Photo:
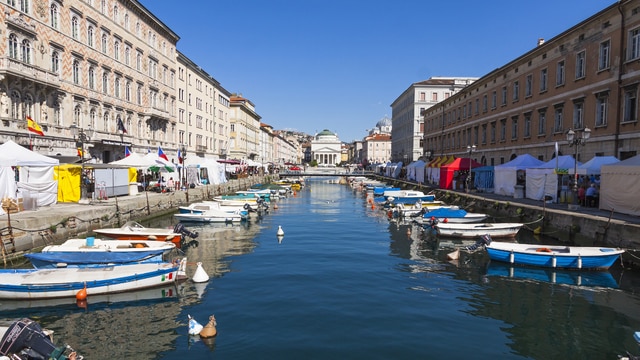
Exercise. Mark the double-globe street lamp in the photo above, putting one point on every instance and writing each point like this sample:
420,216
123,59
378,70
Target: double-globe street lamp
81,136
576,138
470,149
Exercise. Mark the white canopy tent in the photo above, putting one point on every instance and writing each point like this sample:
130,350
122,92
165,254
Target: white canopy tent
593,166
505,175
415,171
619,186
36,174
543,180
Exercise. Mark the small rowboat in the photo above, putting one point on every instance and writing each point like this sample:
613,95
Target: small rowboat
553,256
67,282
132,230
471,230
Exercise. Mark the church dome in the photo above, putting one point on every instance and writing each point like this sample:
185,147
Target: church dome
326,132
384,122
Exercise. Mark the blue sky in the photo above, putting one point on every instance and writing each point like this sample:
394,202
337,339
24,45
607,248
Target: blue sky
310,65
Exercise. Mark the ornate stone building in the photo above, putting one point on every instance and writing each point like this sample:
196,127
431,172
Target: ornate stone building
326,148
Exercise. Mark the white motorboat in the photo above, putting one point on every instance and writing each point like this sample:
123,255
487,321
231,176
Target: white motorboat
471,230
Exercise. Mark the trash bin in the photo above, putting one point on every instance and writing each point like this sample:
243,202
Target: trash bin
518,192
133,188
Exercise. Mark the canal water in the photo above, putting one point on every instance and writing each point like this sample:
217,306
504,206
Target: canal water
345,282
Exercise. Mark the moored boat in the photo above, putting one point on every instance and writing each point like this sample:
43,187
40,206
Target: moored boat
67,282
452,215
552,256
472,230
98,252
132,230
407,196
212,215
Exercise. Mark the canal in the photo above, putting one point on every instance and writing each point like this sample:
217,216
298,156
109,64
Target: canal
346,282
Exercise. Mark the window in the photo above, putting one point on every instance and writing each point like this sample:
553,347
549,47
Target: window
138,29
105,83
24,6
103,6
557,122
55,62
601,109
104,43
528,86
92,78
630,105
25,48
127,91
13,46
514,128
76,72
494,99
90,36
139,95
11,3
504,95
542,120
578,114
543,80
434,97
634,44
76,115
74,27
116,14
527,125
503,129
580,65
485,103
138,61
516,90
560,73
53,16
116,50
603,56
116,88
127,55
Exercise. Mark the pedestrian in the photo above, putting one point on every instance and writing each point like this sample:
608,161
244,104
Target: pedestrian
582,195
591,194
170,184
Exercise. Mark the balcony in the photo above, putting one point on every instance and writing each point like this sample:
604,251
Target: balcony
9,66
201,149
157,113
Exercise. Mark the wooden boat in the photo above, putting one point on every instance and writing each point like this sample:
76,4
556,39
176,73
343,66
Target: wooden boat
212,215
553,276
553,256
97,252
471,230
135,231
66,282
25,339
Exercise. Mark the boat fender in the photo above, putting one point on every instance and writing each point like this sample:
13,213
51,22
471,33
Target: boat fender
446,220
543,249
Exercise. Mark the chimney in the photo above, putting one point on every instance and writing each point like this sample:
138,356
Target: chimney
540,41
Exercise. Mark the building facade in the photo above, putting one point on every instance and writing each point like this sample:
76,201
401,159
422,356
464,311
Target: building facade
407,121
326,148
585,78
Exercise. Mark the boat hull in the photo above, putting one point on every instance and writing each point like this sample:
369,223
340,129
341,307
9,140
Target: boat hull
548,256
472,230
66,282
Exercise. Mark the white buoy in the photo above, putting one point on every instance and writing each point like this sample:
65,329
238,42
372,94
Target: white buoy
280,231
200,276
194,326
454,255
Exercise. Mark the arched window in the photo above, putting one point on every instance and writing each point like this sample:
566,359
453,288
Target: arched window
116,50
74,27
15,104
90,36
92,78
103,6
105,82
127,91
116,88
28,106
13,46
105,121
26,51
53,16
76,72
139,95
92,118
55,62
126,21
127,55
116,15
76,115
138,29
56,113
104,43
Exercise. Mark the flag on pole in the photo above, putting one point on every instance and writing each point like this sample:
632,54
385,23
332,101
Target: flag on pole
161,154
33,126
121,126
127,152
179,157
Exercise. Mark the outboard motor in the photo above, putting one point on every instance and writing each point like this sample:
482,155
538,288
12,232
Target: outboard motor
180,229
483,241
433,221
25,340
419,213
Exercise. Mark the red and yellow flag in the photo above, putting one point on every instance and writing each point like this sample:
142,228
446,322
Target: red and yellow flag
34,127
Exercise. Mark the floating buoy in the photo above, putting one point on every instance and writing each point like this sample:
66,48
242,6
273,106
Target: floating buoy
280,232
200,276
194,326
82,294
209,330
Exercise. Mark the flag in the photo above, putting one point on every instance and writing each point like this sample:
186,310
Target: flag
127,152
80,152
179,157
161,154
33,126
121,126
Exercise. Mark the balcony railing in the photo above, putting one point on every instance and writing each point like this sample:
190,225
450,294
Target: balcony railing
28,71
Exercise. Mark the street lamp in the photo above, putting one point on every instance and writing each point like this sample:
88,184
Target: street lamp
183,175
428,154
81,136
574,139
470,149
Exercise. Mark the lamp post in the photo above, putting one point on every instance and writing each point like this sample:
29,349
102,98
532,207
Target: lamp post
183,175
575,139
470,149
81,136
